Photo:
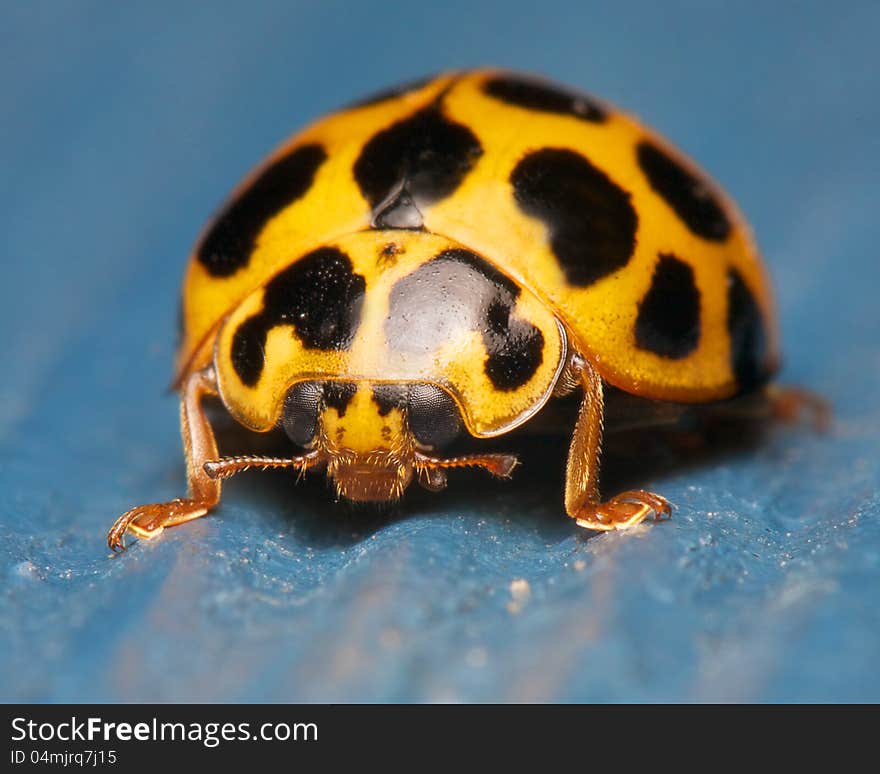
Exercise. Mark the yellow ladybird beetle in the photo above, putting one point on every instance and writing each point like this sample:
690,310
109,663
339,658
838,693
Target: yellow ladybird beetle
444,258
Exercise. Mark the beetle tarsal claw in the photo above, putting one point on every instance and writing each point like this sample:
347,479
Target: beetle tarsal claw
624,511
149,521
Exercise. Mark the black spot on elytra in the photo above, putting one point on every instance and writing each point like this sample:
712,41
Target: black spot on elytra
458,291
414,163
668,323
690,198
228,245
391,93
591,220
748,336
535,94
319,295
338,395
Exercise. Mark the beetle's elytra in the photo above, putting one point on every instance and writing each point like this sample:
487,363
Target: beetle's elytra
444,259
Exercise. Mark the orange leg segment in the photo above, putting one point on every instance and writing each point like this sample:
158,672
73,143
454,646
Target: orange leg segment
432,470
790,404
582,501
148,521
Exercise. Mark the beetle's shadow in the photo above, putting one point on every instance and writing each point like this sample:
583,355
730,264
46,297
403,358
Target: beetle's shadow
532,499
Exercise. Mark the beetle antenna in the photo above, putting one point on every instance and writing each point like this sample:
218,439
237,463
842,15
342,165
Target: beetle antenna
500,465
226,467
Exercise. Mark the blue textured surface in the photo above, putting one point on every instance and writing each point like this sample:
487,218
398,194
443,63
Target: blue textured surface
124,125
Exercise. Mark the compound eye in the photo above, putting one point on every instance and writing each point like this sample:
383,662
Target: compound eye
433,416
300,414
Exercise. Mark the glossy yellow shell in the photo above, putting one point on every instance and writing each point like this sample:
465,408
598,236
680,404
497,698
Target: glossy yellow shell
424,348
618,242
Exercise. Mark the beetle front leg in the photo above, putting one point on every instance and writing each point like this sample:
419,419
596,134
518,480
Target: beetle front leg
148,521
582,501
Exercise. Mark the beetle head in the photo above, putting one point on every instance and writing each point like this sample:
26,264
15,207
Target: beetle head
375,437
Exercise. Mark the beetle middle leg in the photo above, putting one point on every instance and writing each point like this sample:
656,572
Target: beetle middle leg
791,404
582,501
148,521
771,403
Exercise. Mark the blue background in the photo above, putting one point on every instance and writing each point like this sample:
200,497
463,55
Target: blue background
124,126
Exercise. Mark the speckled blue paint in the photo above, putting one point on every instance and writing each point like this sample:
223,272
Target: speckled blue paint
124,125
